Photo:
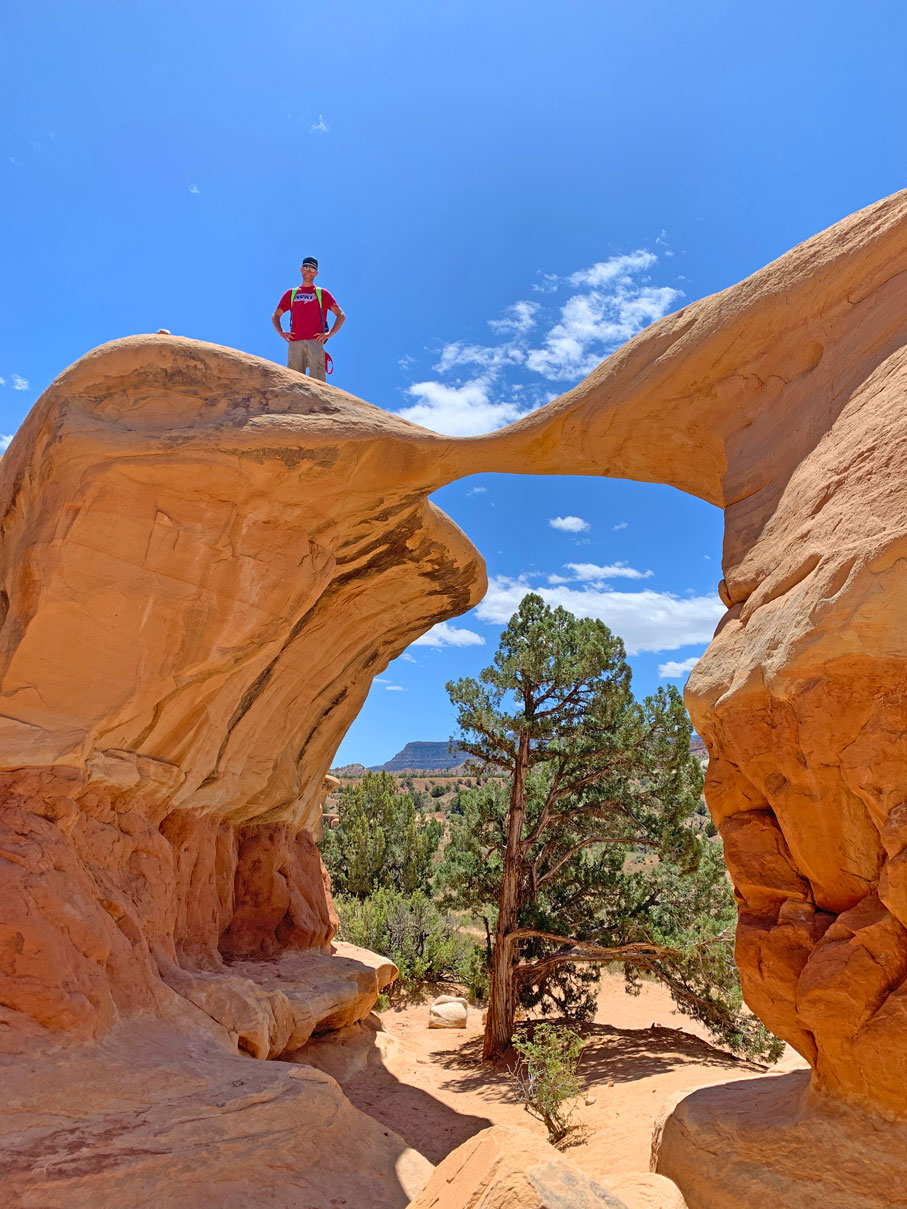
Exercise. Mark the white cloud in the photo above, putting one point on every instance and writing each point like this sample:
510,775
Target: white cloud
672,670
4,442
518,318
444,634
558,579
393,688
321,126
612,571
548,283
491,358
569,524
647,620
194,189
473,491
2,381
458,411
620,525
19,383
481,387
617,268
595,323
407,657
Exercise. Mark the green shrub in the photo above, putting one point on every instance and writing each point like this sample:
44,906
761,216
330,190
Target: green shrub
423,943
545,1075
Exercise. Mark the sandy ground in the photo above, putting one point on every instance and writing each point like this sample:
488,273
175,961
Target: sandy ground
431,1086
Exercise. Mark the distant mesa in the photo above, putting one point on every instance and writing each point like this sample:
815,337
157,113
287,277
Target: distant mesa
418,757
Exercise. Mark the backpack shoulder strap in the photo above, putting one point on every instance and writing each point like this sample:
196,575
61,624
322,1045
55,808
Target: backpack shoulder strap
293,293
324,322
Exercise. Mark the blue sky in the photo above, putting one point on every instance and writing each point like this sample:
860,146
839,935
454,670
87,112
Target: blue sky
498,193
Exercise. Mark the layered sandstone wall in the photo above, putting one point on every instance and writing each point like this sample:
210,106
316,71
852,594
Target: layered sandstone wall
205,559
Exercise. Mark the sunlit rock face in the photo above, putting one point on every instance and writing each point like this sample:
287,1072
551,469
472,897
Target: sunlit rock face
205,560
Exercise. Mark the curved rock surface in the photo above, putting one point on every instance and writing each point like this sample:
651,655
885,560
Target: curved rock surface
205,559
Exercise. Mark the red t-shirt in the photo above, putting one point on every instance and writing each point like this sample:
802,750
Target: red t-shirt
305,319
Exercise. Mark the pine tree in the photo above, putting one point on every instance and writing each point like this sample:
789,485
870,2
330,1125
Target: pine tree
380,840
588,856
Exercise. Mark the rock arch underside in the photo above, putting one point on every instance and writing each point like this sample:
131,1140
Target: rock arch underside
205,561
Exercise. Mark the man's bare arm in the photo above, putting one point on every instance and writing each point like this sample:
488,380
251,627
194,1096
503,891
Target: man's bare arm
275,319
339,320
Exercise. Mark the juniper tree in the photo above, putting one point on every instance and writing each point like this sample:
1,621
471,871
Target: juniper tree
596,779
379,841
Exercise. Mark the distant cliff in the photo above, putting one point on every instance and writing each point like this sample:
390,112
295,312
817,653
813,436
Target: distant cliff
435,757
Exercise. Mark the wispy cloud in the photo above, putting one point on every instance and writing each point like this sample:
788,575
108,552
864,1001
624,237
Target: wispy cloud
321,126
444,634
673,670
194,189
458,411
394,688
19,383
647,620
612,571
4,441
615,302
518,318
620,525
569,524
481,387
474,491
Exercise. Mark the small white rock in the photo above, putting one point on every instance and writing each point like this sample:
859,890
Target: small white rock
448,1011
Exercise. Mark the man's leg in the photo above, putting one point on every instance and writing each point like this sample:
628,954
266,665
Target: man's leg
296,358
315,354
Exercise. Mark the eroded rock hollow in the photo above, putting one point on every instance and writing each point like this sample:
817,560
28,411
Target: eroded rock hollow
206,559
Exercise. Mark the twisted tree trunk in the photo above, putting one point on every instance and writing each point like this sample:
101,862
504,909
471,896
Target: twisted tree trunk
502,995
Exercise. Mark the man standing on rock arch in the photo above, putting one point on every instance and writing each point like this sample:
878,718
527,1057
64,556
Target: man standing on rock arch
309,331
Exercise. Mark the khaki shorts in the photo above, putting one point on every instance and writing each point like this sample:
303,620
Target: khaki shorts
305,355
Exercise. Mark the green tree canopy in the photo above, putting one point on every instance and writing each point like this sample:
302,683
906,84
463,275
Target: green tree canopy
588,855
380,841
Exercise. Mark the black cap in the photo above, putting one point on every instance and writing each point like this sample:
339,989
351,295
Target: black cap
310,260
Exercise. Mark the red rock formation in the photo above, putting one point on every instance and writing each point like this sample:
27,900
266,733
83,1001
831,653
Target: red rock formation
206,559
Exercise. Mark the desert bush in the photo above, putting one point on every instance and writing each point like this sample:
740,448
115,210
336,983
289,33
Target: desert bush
545,1075
423,943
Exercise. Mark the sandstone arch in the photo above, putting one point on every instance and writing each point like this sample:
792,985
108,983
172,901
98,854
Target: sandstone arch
204,561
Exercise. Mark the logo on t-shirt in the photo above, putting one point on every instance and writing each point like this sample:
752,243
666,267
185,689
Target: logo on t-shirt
300,297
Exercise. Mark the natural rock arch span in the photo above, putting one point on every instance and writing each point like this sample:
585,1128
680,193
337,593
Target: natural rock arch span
206,559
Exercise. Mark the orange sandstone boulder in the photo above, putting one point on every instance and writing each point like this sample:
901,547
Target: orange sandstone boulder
506,1168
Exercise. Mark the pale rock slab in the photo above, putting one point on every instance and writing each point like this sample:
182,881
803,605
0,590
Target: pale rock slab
772,1141
448,1011
505,1168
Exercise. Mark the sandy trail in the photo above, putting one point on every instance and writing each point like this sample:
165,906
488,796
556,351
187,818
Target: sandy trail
431,1086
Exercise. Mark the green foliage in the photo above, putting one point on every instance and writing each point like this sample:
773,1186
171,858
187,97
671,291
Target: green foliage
423,943
608,864
545,1075
380,840
438,791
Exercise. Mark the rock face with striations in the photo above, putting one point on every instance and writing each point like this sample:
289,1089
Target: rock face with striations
204,561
